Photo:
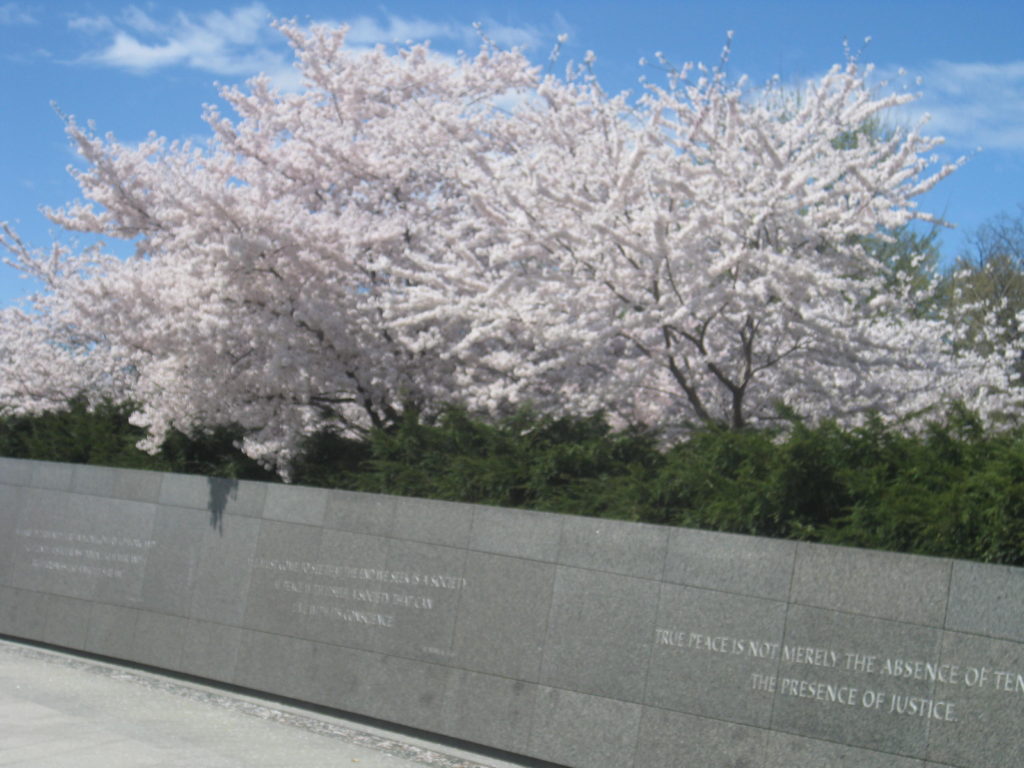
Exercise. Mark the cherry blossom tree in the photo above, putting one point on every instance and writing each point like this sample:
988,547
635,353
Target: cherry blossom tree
47,356
412,229
269,262
986,286
709,242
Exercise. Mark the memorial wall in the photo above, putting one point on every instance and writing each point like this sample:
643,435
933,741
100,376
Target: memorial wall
579,641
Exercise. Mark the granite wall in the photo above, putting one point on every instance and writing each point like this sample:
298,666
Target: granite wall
580,641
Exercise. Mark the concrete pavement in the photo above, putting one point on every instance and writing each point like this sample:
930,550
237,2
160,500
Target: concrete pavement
60,710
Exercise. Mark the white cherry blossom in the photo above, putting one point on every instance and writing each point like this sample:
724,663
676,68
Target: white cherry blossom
413,229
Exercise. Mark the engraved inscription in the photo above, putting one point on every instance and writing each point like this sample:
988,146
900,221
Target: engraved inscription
85,554
367,596
802,672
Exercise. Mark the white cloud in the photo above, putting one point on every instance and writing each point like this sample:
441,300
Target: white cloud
232,43
140,21
974,104
128,52
241,42
516,37
91,24
365,30
14,13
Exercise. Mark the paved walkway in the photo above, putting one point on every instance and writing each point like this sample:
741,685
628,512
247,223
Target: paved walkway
64,711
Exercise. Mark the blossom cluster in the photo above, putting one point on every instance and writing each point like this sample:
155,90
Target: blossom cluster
412,229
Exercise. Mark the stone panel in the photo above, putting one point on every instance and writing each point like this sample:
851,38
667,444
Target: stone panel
283,578
111,631
614,546
173,561
746,565
23,613
883,584
16,471
7,596
192,491
785,751
93,480
46,548
425,583
345,678
38,503
10,498
369,513
210,650
158,640
10,504
672,739
276,663
239,497
581,731
348,603
85,546
41,503
485,709
421,689
432,522
516,532
987,600
844,677
600,633
116,539
296,504
137,485
503,616
217,495
52,475
985,687
67,622
222,576
708,648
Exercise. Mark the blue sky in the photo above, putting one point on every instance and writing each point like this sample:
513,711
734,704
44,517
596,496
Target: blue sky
135,68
